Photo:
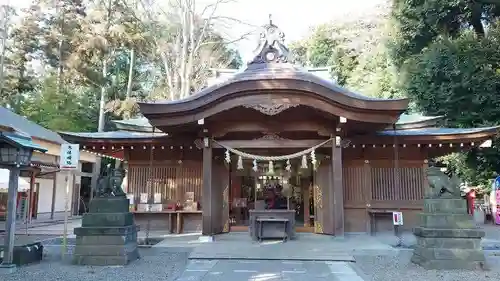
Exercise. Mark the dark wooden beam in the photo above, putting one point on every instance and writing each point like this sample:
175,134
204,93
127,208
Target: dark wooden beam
337,190
207,196
259,143
220,129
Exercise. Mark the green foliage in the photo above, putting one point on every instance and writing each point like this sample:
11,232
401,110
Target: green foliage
55,55
375,75
447,52
458,78
65,111
323,49
420,22
356,52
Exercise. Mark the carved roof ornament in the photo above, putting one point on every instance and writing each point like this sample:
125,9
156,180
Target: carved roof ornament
272,108
271,47
270,136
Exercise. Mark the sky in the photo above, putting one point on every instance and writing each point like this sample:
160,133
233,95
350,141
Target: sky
293,17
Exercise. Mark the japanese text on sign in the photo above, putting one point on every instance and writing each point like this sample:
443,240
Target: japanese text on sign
70,156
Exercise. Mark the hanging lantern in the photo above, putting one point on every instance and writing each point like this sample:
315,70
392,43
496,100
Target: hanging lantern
240,163
255,168
227,156
304,162
288,165
313,159
271,167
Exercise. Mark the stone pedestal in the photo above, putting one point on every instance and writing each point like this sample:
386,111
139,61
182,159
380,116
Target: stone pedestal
448,237
108,235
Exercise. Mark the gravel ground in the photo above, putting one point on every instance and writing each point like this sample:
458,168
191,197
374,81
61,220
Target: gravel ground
155,264
397,268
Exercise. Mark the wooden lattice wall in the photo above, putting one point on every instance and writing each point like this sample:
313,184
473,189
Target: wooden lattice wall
375,183
172,181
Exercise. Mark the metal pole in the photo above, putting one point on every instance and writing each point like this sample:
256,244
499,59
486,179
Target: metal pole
54,191
11,218
66,203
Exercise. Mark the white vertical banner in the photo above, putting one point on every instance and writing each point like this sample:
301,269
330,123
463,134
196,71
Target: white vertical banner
70,156
68,161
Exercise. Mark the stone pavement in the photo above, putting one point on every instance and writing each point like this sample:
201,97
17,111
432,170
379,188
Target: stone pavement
253,270
57,229
307,246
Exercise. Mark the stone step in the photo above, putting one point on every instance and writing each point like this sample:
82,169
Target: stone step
449,243
449,254
106,231
106,240
105,260
107,219
109,205
449,233
445,206
430,220
105,250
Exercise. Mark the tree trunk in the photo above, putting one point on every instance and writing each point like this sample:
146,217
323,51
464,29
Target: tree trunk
102,101
5,18
168,74
476,17
105,57
185,25
130,73
2,59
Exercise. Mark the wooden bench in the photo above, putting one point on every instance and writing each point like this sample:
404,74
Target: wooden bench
268,227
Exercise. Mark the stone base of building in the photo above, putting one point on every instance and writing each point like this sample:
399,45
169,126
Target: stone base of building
448,237
108,235
7,268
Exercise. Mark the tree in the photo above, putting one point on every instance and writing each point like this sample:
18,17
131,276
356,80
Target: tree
61,110
18,77
375,75
355,49
188,44
419,23
448,54
6,12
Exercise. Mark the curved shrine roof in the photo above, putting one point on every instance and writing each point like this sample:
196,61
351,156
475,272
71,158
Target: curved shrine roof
270,78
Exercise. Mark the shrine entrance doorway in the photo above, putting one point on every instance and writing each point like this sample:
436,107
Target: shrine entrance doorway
281,189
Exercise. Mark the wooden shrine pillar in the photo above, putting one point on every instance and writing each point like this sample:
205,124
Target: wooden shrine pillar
215,193
337,193
206,206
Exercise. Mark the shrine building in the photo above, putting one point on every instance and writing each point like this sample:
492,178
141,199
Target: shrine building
341,160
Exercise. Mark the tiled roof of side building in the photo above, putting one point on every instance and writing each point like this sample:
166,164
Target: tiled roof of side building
415,118
411,132
437,131
115,135
20,123
140,121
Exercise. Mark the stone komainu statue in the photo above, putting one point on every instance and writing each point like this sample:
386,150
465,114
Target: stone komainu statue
110,182
441,185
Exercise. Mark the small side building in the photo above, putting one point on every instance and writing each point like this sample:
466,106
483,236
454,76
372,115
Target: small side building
45,185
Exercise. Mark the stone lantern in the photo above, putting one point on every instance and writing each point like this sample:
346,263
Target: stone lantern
16,150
